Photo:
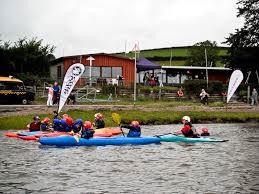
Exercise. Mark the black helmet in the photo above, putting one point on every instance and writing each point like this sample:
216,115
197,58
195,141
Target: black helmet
36,118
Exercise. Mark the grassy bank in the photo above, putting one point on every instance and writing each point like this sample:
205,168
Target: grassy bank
145,118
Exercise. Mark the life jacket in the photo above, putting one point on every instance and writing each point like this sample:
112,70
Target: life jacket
57,125
135,131
87,133
34,126
99,123
77,125
44,127
205,134
187,130
63,126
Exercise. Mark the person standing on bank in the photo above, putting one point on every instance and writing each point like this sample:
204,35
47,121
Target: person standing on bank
50,95
204,97
56,91
254,97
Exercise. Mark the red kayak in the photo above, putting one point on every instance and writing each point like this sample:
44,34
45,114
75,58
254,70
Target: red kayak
28,138
14,134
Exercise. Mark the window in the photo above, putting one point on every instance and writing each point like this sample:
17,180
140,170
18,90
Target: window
13,86
116,71
95,72
59,72
106,72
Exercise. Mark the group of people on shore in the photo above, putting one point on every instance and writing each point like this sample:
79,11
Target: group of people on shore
150,79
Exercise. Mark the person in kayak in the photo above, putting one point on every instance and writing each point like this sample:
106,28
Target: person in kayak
134,129
188,130
77,126
56,125
87,130
64,127
35,124
98,121
45,124
205,132
55,115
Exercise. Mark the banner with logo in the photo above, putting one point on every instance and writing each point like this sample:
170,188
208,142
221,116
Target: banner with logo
235,80
73,74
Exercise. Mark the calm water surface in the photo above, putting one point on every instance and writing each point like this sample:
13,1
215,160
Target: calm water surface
230,167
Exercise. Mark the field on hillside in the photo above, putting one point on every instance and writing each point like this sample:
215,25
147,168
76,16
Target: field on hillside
178,55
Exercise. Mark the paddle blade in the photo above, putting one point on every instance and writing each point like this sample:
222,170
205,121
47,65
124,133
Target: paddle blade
77,137
116,118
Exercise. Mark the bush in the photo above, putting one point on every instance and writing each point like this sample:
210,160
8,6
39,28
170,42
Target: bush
193,87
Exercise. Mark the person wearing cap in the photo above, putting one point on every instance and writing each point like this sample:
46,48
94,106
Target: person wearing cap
205,132
134,129
87,130
45,124
98,121
188,130
35,124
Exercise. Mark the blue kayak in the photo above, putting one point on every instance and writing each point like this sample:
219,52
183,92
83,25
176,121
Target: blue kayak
72,141
29,133
176,138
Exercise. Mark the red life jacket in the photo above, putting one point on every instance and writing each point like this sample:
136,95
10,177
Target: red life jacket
35,126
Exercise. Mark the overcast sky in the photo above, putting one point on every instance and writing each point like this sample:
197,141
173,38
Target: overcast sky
92,26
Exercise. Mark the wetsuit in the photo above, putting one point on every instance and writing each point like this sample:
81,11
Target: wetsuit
87,133
99,123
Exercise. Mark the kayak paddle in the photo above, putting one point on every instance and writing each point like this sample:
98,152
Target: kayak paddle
117,119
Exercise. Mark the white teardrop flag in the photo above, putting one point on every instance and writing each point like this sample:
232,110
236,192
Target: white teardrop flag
235,80
73,74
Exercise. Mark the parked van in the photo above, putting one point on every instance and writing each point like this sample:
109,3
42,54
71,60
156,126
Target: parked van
12,90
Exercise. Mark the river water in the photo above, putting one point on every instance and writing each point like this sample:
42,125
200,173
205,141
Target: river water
229,167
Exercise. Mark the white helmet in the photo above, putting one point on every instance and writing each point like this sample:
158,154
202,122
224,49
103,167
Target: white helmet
95,115
186,118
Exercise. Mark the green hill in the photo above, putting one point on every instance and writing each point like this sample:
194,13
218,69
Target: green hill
175,56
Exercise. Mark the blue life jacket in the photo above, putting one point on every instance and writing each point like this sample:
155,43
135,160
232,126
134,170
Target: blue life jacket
134,131
76,128
56,124
63,126
44,127
87,133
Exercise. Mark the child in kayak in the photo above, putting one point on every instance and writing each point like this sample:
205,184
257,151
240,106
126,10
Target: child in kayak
87,130
99,122
205,132
188,130
35,124
45,124
77,126
134,129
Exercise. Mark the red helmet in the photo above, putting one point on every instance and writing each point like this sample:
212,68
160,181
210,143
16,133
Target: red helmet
135,123
87,125
65,116
69,121
46,120
204,130
100,116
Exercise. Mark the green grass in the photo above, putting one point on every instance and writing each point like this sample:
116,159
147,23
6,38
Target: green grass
173,63
144,117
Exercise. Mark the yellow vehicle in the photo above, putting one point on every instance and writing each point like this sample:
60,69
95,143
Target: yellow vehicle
12,90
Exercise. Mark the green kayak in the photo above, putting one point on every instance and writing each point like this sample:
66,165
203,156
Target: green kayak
176,138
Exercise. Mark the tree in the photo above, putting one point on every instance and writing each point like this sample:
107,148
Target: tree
197,54
244,43
26,58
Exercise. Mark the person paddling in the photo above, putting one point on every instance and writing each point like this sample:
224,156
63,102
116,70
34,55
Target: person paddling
35,124
205,132
134,129
87,130
188,130
45,124
98,121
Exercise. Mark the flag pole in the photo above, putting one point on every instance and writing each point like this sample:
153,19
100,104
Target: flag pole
135,77
206,60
